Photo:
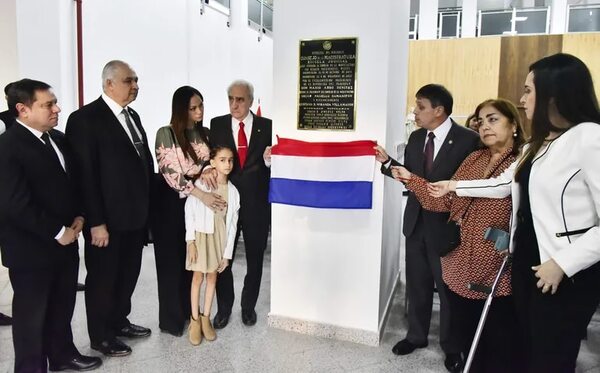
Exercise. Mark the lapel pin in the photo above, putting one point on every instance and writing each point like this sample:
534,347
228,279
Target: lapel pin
450,142
258,130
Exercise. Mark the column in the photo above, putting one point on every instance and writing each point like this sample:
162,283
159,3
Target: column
558,17
469,19
428,18
334,272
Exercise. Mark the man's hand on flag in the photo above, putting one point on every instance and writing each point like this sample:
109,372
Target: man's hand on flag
381,156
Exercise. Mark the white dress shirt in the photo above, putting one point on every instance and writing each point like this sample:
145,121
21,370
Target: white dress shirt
118,112
440,136
61,158
235,127
2,127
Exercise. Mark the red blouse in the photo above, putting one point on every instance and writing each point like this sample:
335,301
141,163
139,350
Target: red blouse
475,260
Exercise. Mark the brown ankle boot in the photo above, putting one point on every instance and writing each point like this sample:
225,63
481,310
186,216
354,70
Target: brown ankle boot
195,331
207,329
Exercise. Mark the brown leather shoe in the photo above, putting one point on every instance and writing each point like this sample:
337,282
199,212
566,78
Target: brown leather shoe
207,329
195,331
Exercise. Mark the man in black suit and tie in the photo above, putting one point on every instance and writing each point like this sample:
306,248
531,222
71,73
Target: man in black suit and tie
250,138
7,118
114,166
40,220
434,152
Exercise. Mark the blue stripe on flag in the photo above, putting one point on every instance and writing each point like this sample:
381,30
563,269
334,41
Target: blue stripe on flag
322,194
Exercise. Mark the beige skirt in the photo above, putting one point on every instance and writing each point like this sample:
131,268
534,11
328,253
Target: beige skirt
210,247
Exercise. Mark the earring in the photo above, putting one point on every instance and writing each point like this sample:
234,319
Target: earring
514,134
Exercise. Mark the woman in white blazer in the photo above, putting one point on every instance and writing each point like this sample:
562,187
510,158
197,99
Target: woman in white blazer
555,188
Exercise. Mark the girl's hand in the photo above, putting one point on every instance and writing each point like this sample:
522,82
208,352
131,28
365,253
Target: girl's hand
224,264
400,173
550,275
192,251
441,188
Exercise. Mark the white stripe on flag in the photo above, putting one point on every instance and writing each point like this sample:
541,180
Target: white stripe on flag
323,168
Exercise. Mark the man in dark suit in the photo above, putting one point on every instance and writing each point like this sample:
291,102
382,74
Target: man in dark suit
114,166
7,118
249,136
434,152
40,220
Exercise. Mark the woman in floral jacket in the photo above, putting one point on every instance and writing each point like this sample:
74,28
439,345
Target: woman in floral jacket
182,150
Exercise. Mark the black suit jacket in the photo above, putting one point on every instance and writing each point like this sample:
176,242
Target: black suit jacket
8,117
459,143
114,179
37,199
253,180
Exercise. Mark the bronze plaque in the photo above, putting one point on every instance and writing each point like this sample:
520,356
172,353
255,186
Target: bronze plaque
327,84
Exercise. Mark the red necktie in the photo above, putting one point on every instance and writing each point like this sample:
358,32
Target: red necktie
242,145
428,153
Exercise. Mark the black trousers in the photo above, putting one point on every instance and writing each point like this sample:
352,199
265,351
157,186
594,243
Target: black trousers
554,325
42,308
499,346
423,270
112,274
174,281
256,233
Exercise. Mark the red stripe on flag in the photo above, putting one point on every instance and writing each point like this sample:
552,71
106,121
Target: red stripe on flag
323,149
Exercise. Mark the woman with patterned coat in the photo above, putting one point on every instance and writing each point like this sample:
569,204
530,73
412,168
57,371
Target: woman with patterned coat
475,261
182,150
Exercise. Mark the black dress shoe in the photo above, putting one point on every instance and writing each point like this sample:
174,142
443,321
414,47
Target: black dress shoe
249,317
405,347
80,286
78,363
112,348
453,362
5,320
220,321
133,331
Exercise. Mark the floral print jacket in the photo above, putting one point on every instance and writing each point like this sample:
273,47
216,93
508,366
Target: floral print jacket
177,169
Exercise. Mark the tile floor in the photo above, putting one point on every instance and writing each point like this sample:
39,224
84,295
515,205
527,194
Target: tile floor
259,349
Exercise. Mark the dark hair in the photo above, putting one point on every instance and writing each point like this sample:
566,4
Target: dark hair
438,95
7,87
216,149
509,110
468,121
180,108
23,91
564,82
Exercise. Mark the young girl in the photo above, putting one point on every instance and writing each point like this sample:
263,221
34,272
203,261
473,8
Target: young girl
210,235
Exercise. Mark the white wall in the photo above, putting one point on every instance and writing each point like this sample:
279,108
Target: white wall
8,45
171,44
168,43
326,265
395,134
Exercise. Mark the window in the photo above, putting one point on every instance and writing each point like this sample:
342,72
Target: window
449,24
219,5
513,22
260,15
413,23
585,18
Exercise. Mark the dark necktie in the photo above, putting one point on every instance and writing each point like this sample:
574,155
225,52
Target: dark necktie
242,145
137,142
48,144
428,153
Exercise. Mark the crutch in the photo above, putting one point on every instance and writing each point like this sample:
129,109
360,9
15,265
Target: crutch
501,239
